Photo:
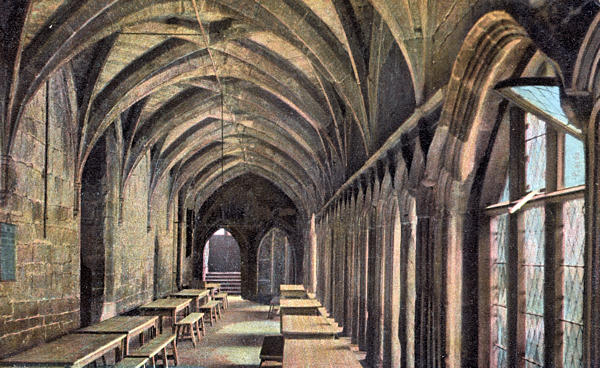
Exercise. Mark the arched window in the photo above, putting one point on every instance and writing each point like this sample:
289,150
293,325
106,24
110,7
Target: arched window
536,239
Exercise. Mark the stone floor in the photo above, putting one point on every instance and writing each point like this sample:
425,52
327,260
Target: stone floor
234,341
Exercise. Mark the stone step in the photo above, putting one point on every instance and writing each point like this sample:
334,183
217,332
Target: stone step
230,281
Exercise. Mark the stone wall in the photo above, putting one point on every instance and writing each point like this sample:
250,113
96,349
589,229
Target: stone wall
133,256
43,302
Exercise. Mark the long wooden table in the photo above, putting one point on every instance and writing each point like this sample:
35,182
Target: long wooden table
309,307
292,291
195,294
166,308
318,353
307,327
128,325
73,350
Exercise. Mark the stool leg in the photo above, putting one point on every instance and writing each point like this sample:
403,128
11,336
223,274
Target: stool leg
191,328
175,354
197,330
203,327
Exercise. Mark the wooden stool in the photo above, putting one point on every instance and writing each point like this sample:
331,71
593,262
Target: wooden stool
156,346
223,297
220,308
210,309
271,350
191,322
132,363
273,305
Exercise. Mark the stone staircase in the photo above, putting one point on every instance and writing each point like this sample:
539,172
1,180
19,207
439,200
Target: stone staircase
230,281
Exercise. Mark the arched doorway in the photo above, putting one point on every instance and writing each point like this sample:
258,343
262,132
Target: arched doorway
276,263
221,261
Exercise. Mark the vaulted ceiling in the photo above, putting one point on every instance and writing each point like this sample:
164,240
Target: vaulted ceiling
216,89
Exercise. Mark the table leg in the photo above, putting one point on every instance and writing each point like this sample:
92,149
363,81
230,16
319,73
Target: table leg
161,319
165,357
174,316
126,347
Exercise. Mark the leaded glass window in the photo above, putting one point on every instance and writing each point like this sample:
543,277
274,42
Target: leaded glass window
572,284
574,173
553,165
533,270
535,151
499,244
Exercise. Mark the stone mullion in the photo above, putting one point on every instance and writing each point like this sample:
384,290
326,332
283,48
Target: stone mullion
343,274
382,240
371,283
406,328
321,260
347,316
372,321
355,277
439,297
341,259
592,251
392,291
358,245
329,261
425,326
350,281
365,270
515,336
336,266
360,303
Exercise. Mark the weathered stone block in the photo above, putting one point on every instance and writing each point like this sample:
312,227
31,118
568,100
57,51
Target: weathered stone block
25,309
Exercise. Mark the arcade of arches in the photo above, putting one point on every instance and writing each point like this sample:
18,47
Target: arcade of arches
428,168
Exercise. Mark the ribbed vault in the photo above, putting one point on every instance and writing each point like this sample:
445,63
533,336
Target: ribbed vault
214,89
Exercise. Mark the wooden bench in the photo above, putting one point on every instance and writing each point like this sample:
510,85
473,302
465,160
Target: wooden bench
132,362
211,309
222,296
271,350
156,346
191,322
268,363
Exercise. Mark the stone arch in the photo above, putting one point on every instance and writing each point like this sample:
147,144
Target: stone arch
277,263
226,262
496,48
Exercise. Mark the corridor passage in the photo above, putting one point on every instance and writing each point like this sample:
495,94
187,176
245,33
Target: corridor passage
233,341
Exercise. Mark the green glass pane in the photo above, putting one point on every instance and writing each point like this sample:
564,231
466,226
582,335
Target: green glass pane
574,162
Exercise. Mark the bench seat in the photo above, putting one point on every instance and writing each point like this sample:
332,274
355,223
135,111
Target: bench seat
132,362
155,347
272,349
222,296
192,323
211,309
